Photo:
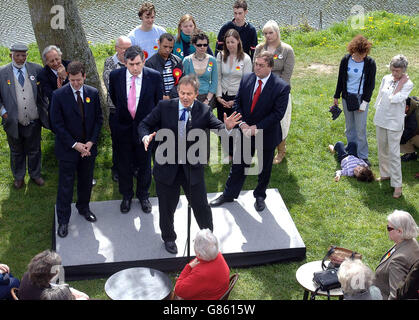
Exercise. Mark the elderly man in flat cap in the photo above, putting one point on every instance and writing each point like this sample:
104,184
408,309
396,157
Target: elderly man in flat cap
23,111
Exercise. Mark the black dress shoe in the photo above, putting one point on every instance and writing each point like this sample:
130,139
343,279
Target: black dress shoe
220,200
367,162
125,205
171,247
409,156
89,216
146,205
260,204
62,230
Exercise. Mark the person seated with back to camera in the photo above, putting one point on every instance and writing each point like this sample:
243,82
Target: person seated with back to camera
350,164
43,269
356,281
207,276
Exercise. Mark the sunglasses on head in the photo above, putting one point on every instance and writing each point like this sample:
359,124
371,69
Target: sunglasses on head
389,228
199,45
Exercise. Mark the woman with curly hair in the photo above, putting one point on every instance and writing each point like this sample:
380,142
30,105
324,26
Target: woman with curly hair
356,82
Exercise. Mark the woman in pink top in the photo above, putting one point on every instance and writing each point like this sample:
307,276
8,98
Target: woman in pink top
207,276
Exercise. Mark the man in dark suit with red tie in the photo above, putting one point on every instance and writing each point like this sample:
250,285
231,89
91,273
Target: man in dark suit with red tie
181,115
135,90
76,118
262,101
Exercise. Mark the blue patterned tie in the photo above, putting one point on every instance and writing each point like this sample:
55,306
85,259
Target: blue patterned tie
182,120
21,78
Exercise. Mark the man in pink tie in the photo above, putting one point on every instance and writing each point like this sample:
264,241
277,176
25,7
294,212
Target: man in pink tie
261,100
135,90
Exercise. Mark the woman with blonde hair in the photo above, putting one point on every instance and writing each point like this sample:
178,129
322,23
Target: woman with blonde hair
284,61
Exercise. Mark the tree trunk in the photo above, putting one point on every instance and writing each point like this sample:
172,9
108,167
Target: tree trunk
57,22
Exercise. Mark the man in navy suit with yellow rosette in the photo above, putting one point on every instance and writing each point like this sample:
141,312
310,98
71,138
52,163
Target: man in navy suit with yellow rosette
262,101
76,119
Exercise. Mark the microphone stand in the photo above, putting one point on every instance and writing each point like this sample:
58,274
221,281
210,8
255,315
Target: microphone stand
188,128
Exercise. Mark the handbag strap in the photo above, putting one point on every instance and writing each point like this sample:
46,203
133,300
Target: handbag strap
328,254
360,81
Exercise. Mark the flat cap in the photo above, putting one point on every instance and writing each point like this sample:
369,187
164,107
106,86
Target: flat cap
19,47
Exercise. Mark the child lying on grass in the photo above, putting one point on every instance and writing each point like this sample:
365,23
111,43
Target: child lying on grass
350,163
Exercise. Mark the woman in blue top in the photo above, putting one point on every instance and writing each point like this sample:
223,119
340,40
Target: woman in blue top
186,27
204,66
357,76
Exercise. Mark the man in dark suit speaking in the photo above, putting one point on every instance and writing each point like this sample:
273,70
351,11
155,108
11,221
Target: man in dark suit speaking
76,118
179,116
262,100
135,90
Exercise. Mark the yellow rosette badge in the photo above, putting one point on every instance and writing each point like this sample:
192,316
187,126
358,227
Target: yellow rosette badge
8,82
88,100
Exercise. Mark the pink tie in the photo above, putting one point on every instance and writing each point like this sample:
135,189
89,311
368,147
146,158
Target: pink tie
132,97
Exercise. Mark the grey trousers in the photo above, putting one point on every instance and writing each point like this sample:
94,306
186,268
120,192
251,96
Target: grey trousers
26,148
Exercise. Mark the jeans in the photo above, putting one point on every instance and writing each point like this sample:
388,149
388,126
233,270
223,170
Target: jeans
356,129
343,152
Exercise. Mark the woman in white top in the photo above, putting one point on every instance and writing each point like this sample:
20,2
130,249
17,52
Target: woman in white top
232,64
284,61
389,121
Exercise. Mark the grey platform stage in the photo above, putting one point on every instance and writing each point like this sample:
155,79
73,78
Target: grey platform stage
118,241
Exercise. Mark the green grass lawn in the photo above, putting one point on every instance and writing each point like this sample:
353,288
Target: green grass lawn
348,213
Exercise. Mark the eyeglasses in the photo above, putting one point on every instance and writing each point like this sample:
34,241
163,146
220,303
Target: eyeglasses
389,228
199,45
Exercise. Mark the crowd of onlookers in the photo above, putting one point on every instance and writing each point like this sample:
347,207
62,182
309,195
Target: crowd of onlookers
220,76
207,276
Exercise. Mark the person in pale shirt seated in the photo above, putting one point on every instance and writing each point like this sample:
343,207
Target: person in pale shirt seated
147,34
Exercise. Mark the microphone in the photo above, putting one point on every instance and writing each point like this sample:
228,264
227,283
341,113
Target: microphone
189,123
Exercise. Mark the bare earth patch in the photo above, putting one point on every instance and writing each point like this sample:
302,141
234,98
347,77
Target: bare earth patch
323,68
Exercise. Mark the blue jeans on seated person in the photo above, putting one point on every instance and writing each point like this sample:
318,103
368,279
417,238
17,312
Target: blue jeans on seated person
342,152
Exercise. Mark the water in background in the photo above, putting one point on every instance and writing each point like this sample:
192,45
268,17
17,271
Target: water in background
105,20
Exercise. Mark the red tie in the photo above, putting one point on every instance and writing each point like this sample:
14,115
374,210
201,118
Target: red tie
256,95
59,82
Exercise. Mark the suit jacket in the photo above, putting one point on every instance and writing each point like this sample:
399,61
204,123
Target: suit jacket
66,121
151,94
269,109
8,98
392,270
165,116
48,80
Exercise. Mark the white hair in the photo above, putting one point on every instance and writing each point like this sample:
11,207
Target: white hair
404,221
354,276
48,49
122,39
206,245
399,61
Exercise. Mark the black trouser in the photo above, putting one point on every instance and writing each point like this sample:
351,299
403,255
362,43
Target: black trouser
26,148
168,196
67,171
112,123
129,154
237,174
